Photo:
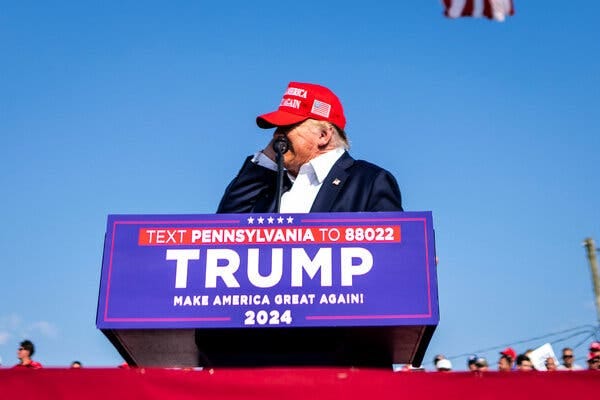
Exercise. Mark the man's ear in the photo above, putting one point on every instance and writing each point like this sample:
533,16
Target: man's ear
325,135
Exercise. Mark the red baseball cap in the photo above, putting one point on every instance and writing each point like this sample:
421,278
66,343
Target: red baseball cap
595,346
509,352
302,101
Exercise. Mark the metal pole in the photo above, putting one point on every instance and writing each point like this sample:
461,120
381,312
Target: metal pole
591,254
279,188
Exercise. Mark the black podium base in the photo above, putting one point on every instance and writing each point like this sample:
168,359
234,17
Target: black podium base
331,346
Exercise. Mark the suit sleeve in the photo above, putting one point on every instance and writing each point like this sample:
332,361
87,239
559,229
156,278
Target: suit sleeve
253,183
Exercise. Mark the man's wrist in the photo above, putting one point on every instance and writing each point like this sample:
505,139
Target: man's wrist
260,158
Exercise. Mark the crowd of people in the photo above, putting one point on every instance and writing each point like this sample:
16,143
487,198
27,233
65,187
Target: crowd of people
25,352
509,360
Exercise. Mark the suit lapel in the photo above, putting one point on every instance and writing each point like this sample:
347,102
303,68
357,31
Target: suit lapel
266,203
332,184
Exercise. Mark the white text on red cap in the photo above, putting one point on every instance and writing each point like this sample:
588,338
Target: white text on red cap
293,103
292,91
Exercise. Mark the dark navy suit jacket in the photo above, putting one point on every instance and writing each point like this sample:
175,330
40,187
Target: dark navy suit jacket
351,186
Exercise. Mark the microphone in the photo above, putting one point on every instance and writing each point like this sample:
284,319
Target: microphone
281,144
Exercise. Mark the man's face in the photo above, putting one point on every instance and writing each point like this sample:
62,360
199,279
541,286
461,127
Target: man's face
304,141
22,353
567,358
550,364
525,366
503,364
594,363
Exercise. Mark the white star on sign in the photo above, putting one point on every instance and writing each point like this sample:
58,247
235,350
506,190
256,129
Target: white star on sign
270,219
250,220
290,220
280,220
260,220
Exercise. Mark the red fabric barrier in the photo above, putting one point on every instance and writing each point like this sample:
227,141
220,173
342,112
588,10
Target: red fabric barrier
290,383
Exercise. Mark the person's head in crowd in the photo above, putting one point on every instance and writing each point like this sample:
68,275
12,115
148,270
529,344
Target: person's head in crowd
593,361
76,364
568,357
528,353
443,365
595,348
507,359
25,351
471,363
504,363
524,363
437,358
550,364
481,364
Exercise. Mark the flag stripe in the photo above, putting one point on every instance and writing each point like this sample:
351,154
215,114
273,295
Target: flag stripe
455,8
479,8
487,9
492,9
469,7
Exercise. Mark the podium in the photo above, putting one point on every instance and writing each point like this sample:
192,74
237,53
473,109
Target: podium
326,289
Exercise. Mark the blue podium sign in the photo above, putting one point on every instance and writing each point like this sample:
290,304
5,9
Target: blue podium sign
268,271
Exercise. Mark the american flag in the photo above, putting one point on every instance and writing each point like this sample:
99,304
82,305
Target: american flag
492,9
321,108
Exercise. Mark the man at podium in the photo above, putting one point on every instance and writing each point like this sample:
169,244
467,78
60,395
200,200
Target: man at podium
321,176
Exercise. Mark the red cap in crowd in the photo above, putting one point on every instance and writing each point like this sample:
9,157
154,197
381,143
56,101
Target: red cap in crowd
302,101
595,346
509,352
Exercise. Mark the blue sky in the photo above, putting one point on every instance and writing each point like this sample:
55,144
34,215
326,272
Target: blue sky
149,108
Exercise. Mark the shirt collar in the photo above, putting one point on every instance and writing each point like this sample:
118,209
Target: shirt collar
323,163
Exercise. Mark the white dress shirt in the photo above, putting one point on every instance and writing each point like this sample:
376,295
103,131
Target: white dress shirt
301,196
